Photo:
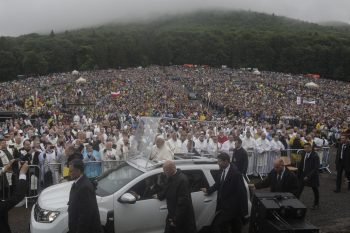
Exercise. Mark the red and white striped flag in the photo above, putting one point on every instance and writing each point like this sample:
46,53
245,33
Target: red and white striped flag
115,94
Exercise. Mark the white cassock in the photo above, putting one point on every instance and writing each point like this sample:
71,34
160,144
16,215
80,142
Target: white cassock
263,146
214,148
226,146
184,146
123,151
163,153
201,146
174,146
249,145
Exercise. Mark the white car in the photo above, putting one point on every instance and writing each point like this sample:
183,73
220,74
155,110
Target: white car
121,211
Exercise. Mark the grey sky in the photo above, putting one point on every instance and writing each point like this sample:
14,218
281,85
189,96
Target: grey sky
26,16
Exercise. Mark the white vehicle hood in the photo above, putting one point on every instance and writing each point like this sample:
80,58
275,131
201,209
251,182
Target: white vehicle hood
55,197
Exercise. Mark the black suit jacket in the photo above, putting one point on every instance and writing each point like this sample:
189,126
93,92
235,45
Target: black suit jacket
83,214
232,197
288,183
179,202
346,157
312,164
5,206
240,159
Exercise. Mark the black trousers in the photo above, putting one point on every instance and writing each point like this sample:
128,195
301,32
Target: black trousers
340,170
223,223
314,189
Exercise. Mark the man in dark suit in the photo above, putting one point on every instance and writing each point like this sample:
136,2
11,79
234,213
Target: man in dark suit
15,198
280,179
240,157
180,217
232,200
308,174
342,161
83,214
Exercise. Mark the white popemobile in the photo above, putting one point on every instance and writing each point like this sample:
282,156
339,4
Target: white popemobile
123,202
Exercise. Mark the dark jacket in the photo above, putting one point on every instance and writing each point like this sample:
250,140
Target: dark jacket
311,169
179,202
240,159
345,162
288,183
232,197
83,215
5,206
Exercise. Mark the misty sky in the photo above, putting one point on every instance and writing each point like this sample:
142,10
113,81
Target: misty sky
26,16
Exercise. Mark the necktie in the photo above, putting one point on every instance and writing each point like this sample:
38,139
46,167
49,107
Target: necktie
306,157
222,177
279,178
342,151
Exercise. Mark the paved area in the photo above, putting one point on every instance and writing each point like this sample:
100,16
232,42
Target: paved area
332,217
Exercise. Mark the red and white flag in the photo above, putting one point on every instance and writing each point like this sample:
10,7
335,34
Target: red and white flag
115,94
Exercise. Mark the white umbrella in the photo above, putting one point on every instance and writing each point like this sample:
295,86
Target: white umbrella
80,80
75,72
311,85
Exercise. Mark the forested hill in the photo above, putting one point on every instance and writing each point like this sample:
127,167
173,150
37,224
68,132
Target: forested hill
234,38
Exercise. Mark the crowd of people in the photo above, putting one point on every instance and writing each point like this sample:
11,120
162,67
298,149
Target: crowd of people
200,110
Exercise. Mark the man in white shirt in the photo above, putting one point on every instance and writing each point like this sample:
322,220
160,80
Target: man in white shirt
174,143
201,144
123,149
160,151
214,146
263,146
229,145
109,153
276,145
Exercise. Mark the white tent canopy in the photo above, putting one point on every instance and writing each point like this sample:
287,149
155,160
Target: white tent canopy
311,85
256,72
80,80
75,72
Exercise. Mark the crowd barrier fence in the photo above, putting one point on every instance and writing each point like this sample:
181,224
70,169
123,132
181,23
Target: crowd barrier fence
38,176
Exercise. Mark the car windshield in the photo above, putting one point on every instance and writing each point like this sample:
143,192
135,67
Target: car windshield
115,179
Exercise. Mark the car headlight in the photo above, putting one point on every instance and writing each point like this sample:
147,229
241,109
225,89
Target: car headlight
45,216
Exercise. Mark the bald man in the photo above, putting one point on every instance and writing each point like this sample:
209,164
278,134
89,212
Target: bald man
161,151
177,194
280,179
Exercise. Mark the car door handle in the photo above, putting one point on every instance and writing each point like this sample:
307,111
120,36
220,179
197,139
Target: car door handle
163,207
207,200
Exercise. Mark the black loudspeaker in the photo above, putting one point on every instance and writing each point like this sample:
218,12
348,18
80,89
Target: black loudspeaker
278,212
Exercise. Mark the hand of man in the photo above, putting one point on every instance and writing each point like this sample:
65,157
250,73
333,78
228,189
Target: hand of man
205,191
306,178
7,167
251,186
24,168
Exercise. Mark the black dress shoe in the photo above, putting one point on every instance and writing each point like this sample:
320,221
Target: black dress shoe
336,191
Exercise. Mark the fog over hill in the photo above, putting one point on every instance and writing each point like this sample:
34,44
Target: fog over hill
26,16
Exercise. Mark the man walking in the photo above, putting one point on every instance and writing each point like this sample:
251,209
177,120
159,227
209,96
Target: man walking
308,173
83,214
342,162
232,200
180,217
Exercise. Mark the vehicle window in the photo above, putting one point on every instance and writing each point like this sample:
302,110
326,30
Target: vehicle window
216,175
114,180
196,180
148,187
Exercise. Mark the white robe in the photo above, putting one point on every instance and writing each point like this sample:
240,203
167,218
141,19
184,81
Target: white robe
159,154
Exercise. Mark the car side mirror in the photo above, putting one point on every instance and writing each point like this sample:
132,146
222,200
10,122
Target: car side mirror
127,198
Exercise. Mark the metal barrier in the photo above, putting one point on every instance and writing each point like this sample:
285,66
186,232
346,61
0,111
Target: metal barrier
325,159
110,164
33,178
9,182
